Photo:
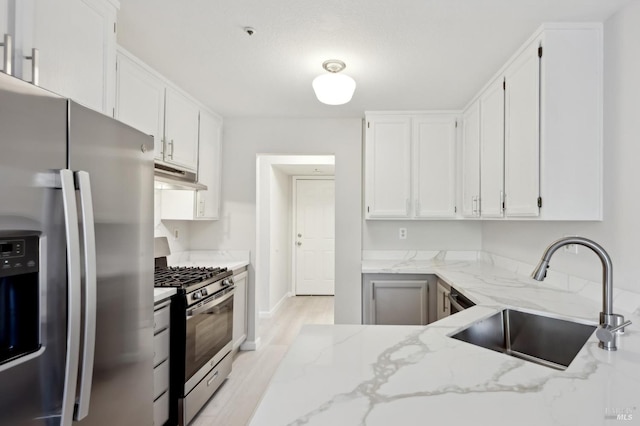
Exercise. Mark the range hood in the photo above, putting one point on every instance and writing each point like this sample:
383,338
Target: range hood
167,177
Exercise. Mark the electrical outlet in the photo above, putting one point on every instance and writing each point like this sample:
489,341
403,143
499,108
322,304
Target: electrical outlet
402,233
175,234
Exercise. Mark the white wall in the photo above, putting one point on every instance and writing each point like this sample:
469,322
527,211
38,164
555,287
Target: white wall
167,228
422,235
244,138
280,238
618,231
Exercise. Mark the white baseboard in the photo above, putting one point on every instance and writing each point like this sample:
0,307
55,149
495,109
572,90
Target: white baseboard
250,345
269,314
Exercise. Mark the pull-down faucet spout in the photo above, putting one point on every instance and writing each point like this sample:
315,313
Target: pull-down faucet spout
609,321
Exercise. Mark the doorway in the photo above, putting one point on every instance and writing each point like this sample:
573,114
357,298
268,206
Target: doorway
275,225
313,257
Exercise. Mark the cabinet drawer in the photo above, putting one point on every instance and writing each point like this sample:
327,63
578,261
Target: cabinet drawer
160,379
160,347
160,319
161,410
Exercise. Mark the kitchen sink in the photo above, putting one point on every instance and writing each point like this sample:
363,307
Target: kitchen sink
545,340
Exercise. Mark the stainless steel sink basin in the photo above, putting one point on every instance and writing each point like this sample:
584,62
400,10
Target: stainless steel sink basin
548,341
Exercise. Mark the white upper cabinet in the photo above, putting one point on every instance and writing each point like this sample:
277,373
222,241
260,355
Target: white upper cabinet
388,166
410,164
471,161
522,139
209,166
16,37
492,150
140,100
540,131
76,40
202,204
181,130
434,153
150,103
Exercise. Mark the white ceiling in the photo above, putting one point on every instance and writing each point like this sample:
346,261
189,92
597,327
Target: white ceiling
403,54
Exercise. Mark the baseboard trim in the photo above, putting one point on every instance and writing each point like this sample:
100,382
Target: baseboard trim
271,313
250,345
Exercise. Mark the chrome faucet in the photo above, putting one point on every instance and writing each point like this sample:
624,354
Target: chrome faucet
610,323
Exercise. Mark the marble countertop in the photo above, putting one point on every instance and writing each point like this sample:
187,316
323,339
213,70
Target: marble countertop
414,375
160,294
230,259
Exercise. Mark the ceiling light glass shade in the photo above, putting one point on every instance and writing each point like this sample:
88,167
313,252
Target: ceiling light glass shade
333,88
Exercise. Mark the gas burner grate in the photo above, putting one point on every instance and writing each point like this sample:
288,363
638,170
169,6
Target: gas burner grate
184,276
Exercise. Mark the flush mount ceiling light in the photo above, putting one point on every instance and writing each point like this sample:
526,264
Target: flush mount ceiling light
334,88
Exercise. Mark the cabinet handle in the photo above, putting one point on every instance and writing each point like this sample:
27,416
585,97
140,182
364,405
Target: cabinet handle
8,54
474,205
501,207
171,145
35,66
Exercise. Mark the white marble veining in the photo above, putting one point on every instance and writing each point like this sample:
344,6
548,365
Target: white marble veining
162,293
230,259
410,375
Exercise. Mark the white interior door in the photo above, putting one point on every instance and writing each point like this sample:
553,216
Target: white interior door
315,236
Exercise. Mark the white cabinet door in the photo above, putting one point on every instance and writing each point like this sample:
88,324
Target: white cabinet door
240,309
399,302
434,152
4,30
77,41
492,150
16,21
388,167
522,141
140,100
471,161
209,166
181,130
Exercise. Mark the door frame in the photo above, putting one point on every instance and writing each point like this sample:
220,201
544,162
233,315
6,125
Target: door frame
294,221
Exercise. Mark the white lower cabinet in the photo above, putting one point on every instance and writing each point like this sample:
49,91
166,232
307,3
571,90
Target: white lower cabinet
161,330
395,300
240,309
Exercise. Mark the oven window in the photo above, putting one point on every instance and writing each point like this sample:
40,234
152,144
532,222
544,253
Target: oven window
19,316
208,332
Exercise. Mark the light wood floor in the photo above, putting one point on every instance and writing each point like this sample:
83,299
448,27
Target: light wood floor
236,400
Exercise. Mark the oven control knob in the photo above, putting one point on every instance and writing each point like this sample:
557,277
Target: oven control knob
227,282
204,292
197,295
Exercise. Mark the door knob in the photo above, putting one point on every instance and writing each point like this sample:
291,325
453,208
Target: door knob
299,235
299,243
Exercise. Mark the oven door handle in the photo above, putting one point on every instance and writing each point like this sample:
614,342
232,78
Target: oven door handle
214,301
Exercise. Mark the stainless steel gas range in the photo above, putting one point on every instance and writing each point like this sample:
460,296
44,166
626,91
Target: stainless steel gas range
201,334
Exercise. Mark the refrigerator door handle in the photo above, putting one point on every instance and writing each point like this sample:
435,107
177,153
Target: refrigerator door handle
90,289
73,295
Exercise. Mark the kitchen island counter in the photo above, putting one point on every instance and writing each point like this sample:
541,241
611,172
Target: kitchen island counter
415,375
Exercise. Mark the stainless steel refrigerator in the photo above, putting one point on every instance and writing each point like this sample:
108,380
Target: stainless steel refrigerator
76,263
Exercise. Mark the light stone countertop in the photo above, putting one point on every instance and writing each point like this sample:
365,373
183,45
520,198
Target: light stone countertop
412,375
162,293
